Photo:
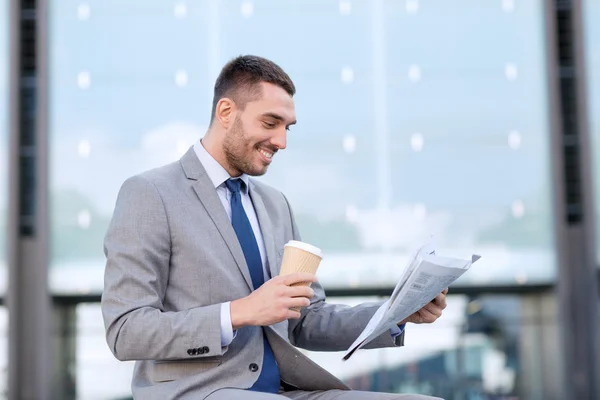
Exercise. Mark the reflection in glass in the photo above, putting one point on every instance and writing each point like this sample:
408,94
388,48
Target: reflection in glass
473,352
409,125
398,139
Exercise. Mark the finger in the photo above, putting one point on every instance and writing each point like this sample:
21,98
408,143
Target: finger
426,316
296,302
300,291
445,291
440,301
298,277
433,309
292,314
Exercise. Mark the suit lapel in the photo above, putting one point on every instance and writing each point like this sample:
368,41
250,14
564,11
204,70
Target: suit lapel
266,228
207,194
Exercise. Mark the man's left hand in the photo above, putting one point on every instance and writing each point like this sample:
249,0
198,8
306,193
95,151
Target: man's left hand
431,312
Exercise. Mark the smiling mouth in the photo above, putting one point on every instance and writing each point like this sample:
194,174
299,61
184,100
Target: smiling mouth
266,154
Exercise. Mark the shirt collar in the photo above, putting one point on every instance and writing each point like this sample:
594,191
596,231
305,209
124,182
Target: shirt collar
217,174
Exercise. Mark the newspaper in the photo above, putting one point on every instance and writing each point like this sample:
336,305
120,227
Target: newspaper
425,276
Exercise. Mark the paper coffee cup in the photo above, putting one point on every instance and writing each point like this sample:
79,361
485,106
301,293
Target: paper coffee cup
300,257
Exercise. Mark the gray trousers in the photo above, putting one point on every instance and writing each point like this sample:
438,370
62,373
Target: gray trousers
237,394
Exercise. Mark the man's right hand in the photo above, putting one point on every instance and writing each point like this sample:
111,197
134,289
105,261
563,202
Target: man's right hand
271,303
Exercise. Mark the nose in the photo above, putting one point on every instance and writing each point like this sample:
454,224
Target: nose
280,139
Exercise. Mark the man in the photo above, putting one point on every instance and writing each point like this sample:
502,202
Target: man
192,291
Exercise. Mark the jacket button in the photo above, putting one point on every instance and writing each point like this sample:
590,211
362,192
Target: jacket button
253,367
205,349
190,352
200,350
194,352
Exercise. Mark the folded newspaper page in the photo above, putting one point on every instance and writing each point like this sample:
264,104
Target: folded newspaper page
425,276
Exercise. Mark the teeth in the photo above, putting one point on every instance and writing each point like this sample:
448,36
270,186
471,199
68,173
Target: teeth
264,153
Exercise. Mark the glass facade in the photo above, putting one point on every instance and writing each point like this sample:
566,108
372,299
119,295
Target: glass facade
409,125
399,137
474,352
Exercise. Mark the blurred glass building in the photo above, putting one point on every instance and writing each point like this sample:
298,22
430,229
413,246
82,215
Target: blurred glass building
415,118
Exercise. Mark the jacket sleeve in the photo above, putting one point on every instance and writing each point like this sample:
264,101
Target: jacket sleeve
333,327
138,251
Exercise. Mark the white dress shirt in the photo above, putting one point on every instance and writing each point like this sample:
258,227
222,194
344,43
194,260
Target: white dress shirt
218,175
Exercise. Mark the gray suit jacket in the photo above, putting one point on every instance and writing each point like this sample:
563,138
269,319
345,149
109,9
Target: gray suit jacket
173,258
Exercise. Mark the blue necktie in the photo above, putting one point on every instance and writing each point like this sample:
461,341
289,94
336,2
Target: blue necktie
269,379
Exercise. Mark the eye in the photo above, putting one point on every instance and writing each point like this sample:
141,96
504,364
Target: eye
269,125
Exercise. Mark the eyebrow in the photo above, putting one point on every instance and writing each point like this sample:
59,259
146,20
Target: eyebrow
277,117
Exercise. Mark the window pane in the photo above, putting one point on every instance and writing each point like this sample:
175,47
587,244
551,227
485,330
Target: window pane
482,348
409,125
468,136
142,97
472,352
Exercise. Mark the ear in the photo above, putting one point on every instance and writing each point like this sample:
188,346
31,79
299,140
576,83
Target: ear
225,112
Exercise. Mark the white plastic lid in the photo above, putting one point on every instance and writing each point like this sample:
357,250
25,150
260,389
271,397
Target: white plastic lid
306,247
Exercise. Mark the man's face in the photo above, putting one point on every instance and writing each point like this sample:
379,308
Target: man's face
259,131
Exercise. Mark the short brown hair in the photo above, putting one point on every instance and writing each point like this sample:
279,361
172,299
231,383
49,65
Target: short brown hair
240,78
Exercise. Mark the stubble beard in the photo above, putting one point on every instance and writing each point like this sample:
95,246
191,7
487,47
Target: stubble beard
238,154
